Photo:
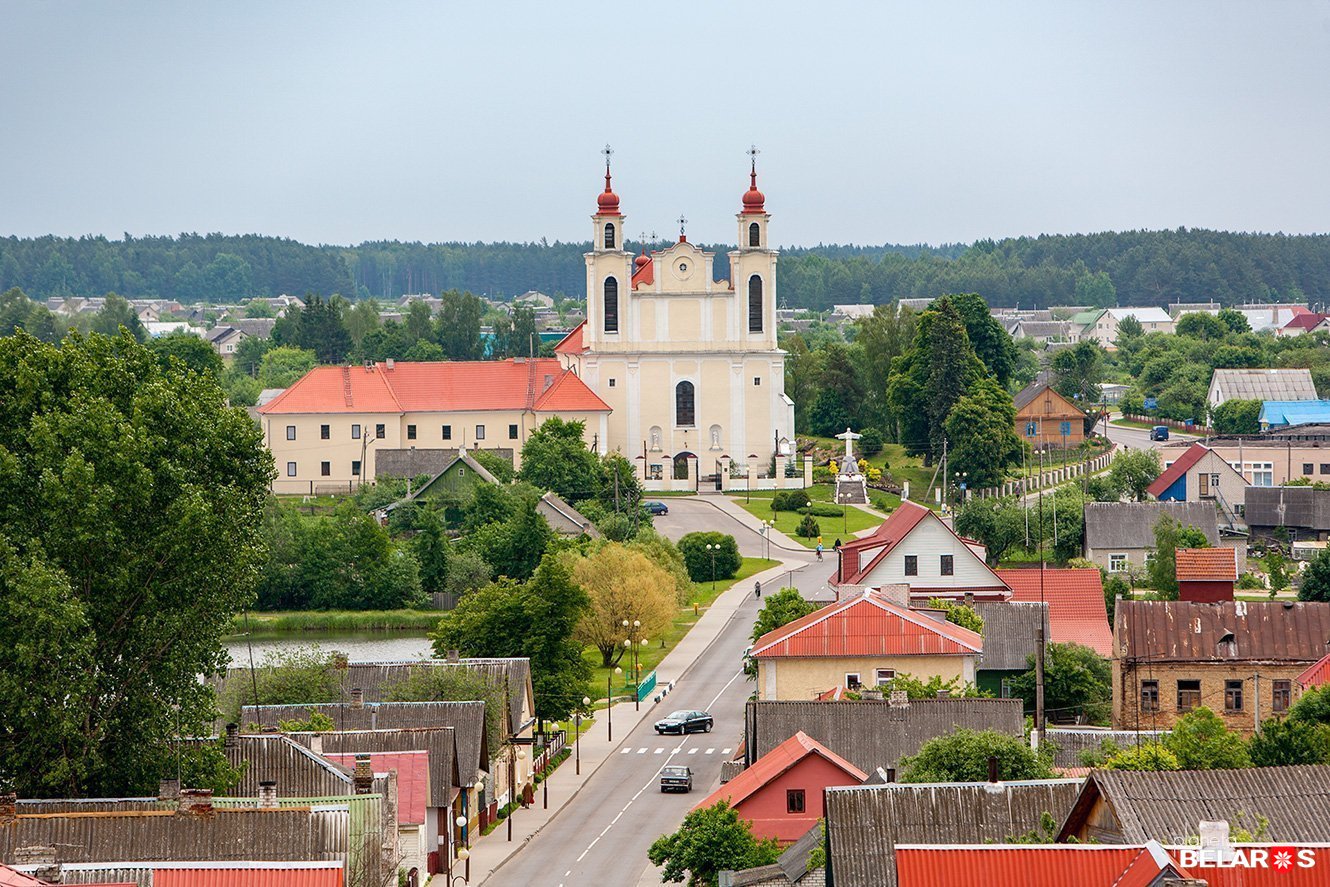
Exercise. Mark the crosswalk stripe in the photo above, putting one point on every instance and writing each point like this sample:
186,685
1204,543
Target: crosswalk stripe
660,751
625,751
692,751
726,751
641,751
710,751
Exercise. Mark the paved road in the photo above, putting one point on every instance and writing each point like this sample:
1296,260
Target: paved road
1139,438
602,836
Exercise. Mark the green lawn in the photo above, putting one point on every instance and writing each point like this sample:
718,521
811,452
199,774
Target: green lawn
832,527
1130,423
650,656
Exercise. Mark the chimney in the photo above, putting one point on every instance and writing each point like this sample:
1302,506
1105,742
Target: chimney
899,699
891,774
168,790
268,794
454,655
357,697
8,809
232,739
992,768
196,802
364,775
316,743
47,870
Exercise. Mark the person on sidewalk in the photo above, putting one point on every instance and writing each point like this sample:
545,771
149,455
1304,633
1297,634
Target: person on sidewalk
757,589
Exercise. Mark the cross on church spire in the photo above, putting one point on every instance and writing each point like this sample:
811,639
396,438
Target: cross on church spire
607,151
753,152
683,222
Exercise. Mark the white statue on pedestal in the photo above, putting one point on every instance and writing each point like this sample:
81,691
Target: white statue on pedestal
849,467
851,487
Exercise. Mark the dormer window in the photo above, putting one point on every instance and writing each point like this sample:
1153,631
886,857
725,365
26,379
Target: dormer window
609,235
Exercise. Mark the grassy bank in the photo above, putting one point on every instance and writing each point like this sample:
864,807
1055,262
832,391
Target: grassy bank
855,519
649,657
349,621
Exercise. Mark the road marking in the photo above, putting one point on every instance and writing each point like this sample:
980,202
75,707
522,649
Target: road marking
726,751
641,751
692,751
711,751
658,751
625,751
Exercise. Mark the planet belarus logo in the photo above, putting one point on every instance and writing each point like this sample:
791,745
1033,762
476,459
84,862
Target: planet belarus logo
1281,859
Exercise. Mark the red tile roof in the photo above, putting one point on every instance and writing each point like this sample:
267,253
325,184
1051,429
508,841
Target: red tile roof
1206,565
1028,865
573,342
1317,675
1075,598
867,625
775,763
645,275
1177,469
409,387
412,779
251,874
1305,321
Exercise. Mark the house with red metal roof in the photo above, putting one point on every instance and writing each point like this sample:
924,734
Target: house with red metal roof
1075,597
1200,475
1206,574
327,431
1316,675
863,640
781,793
915,547
413,801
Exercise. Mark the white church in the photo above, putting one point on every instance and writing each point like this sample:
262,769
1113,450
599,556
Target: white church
688,364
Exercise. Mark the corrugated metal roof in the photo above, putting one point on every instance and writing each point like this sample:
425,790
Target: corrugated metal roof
1278,413
1026,865
1206,565
1194,454
1226,631
1069,742
873,734
1264,384
1075,597
867,625
1294,802
1011,633
1303,507
439,742
780,760
865,824
329,877
413,782
1318,674
1113,526
297,771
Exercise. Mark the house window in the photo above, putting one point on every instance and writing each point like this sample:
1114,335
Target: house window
754,304
611,383
290,432
447,432
379,432
609,235
512,432
480,432
325,432
794,800
1149,696
1232,695
1005,691
1325,468
754,234
325,469
1117,563
852,681
611,305
461,471
1283,693
911,565
684,412
290,469
1262,474
1308,468
885,676
1189,695
355,432
757,380
355,468
410,432
948,565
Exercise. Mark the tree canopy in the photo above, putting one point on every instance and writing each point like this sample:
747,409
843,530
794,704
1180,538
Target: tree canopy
710,840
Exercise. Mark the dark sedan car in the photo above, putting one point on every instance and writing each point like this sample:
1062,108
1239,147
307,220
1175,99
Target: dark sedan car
676,779
685,722
656,507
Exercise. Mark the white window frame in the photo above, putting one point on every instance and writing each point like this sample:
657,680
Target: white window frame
1118,562
878,675
853,684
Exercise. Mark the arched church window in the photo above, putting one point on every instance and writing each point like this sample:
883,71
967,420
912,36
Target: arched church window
754,235
611,305
609,235
685,412
754,304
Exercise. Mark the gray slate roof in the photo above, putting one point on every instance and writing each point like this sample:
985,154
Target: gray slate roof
1069,742
563,518
1265,384
1129,525
865,823
298,772
439,742
1166,806
873,734
1303,507
1011,633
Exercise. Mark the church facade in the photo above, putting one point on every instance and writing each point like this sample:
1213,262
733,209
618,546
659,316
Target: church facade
688,364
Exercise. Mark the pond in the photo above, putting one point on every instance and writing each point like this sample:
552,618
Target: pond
369,646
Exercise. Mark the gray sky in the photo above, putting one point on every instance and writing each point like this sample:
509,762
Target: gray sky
878,122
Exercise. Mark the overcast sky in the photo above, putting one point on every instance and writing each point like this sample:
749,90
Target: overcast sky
878,122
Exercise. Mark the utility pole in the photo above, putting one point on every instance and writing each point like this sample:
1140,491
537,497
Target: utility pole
1256,700
946,492
1039,652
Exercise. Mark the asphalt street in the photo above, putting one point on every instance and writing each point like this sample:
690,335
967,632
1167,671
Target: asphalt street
1139,438
602,836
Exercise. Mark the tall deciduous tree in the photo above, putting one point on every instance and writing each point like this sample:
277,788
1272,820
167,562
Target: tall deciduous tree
555,457
459,325
981,429
781,609
1201,741
1316,579
1132,472
282,367
130,503
1076,680
189,351
621,584
116,313
991,343
710,840
840,393
881,338
1079,372
951,369
962,756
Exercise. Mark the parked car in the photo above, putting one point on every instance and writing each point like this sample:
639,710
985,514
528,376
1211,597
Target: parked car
656,508
682,722
676,779
1159,432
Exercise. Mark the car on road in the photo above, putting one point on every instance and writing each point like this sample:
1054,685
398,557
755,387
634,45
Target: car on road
682,722
1159,432
656,507
676,779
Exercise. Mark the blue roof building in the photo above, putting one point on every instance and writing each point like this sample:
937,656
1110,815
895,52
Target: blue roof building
1279,413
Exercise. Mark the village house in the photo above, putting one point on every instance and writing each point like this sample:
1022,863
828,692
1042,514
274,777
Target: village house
1011,636
1102,327
1205,575
1260,384
1201,475
1120,536
1240,659
1282,414
862,641
1045,418
1294,453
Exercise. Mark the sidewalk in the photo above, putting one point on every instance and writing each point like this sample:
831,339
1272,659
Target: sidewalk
492,851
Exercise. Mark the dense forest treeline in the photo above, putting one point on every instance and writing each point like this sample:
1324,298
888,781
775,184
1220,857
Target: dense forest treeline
1128,268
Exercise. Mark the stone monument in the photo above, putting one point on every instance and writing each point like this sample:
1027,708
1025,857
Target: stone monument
851,487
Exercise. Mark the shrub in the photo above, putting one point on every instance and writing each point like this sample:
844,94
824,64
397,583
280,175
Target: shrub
789,500
822,509
1146,756
809,528
698,559
823,475
959,614
1250,581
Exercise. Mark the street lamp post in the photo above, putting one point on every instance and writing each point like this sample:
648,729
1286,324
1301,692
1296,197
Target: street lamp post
465,853
712,550
609,700
577,742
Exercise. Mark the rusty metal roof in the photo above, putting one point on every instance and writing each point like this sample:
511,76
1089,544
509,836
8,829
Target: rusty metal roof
1227,631
208,874
865,824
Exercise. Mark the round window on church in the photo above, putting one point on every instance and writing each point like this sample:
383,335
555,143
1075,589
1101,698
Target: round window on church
683,267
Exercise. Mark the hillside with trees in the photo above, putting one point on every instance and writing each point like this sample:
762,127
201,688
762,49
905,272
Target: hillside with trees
1128,268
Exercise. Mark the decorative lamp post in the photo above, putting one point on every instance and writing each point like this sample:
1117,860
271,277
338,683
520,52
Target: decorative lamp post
464,853
609,700
711,549
577,743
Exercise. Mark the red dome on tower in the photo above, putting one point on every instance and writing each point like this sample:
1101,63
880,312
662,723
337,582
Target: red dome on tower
753,199
607,202
642,259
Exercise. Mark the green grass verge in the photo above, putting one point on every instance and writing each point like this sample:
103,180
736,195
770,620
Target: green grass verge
667,494
649,657
855,519
1132,423
294,622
